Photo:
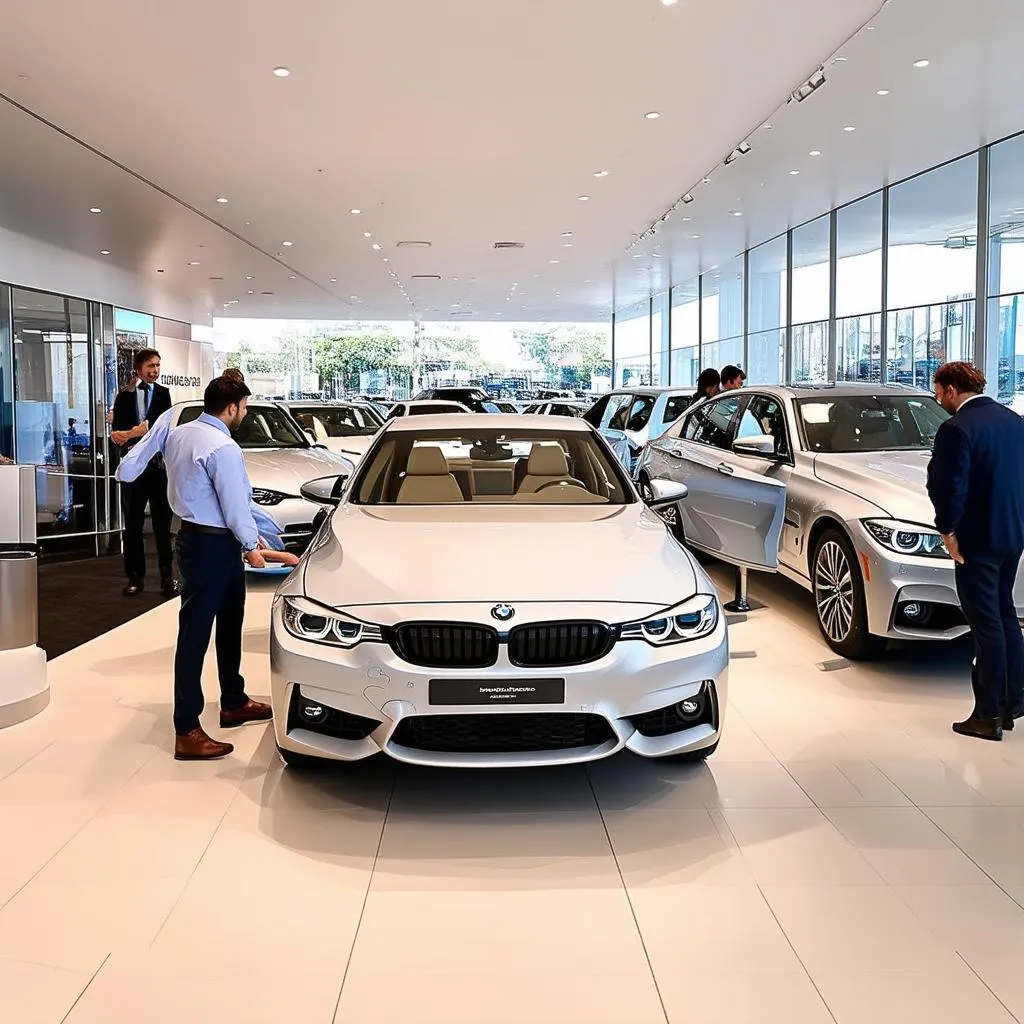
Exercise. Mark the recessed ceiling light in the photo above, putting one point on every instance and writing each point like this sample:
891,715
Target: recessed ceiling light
221,199
794,172
251,292
567,245
95,209
104,252
600,174
735,213
249,277
583,199
652,115
638,255
355,212
286,244
815,152
293,277
376,247
850,128
768,127
282,72
839,60
334,280
882,92
668,3
367,234
921,63
193,263
552,262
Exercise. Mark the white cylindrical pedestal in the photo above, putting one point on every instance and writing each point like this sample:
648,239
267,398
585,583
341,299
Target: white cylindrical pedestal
24,691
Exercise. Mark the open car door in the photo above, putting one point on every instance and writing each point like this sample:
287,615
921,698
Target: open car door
731,512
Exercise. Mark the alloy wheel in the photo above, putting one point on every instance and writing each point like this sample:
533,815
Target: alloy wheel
833,591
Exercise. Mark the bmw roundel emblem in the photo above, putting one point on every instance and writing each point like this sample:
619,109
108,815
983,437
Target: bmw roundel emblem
503,612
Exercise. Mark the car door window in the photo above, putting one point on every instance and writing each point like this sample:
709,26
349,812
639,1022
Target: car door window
618,407
764,415
595,414
640,413
676,406
712,423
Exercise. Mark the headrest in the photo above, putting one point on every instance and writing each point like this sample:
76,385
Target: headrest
547,460
427,461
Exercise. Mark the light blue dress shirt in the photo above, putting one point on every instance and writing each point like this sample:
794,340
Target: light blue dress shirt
206,479
134,464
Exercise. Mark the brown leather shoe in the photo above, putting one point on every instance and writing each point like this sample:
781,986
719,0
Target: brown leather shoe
251,711
197,746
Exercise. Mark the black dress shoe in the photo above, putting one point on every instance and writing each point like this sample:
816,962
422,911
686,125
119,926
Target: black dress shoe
980,728
134,588
170,588
1010,717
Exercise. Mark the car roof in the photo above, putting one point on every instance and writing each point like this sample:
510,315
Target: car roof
491,421
841,390
652,390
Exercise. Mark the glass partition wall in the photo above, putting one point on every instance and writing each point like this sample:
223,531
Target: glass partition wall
883,289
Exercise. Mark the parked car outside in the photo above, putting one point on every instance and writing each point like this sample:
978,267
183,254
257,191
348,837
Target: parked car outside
474,399
343,427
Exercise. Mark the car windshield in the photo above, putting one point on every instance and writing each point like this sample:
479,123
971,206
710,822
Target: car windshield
265,426
870,423
337,420
435,409
490,466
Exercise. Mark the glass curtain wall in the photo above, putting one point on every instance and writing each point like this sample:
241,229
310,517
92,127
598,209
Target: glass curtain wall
632,346
6,379
767,311
812,271
685,340
1006,268
721,315
859,290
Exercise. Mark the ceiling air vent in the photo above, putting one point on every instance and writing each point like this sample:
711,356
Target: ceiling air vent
413,245
426,277
509,245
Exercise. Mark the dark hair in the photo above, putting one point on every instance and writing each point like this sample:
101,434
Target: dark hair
235,374
967,379
222,392
709,378
731,372
143,356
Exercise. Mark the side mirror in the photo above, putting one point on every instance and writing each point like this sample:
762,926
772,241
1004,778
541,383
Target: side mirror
667,492
761,445
326,490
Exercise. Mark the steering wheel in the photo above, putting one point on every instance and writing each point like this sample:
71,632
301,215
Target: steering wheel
561,483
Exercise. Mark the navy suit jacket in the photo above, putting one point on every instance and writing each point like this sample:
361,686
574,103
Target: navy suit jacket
976,478
126,409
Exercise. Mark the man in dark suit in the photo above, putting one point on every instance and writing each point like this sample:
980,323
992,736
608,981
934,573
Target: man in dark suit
135,409
976,483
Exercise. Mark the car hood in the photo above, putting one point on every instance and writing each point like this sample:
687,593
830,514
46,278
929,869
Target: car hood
388,556
287,469
895,482
353,448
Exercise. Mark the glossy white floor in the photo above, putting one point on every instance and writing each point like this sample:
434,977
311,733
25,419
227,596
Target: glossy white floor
843,857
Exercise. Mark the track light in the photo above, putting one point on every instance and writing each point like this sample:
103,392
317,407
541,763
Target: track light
741,150
687,199
812,85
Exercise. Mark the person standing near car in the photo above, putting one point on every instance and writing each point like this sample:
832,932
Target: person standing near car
733,378
976,484
210,492
135,408
709,384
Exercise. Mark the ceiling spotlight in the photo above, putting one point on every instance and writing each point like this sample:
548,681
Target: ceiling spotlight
287,244
652,115
921,63
193,263
293,277
567,245
600,174
583,199
221,199
815,152
695,236
355,212
249,277
334,280
882,92
811,86
741,150
95,209
367,234
735,213
768,126
104,252
850,128
688,198
376,247
282,72
552,262
839,60
794,173
668,3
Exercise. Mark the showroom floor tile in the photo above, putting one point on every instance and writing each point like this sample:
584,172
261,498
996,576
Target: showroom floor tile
842,858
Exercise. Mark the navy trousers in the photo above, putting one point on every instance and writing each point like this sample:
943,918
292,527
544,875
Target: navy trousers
213,591
985,585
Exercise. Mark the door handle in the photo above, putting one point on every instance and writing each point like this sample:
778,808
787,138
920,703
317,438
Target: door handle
675,453
725,469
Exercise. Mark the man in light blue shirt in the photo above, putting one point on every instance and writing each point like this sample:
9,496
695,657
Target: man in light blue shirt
209,491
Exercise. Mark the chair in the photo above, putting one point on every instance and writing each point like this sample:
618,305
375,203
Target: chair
428,480
547,465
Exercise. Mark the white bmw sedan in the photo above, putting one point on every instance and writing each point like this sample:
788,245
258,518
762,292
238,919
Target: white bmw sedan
489,591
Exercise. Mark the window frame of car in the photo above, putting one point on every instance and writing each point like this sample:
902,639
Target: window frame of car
749,397
650,403
703,408
624,402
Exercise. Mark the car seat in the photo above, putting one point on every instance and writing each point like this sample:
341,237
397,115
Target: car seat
547,464
428,479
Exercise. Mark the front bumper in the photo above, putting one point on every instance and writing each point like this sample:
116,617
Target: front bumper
614,694
893,581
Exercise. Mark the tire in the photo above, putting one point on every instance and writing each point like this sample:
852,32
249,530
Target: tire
670,514
692,756
839,602
294,761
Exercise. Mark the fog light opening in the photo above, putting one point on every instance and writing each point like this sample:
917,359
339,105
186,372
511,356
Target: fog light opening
691,709
915,613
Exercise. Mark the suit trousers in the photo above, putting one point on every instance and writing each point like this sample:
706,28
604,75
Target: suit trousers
985,585
150,489
213,591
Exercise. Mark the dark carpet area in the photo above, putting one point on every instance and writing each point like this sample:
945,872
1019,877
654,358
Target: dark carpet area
81,600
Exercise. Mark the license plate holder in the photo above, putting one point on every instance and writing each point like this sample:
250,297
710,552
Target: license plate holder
492,692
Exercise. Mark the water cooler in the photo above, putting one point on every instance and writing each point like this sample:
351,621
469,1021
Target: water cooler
24,691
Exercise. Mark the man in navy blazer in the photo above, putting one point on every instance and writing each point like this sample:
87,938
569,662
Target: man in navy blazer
976,483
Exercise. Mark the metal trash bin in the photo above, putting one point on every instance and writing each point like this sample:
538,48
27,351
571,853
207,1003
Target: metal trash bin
24,691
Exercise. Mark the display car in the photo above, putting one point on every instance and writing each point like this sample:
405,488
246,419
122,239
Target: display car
558,407
630,417
279,459
473,398
343,427
491,592
425,407
859,531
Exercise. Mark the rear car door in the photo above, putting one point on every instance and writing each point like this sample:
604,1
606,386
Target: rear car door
733,510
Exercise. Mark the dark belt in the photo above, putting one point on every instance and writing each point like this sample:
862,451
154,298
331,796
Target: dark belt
214,531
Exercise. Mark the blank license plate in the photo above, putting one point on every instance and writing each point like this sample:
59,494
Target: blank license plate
497,691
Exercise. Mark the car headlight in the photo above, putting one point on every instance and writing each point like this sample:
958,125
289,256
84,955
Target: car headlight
306,620
263,496
906,538
691,620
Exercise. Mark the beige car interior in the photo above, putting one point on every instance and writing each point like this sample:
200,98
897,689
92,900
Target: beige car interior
544,476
